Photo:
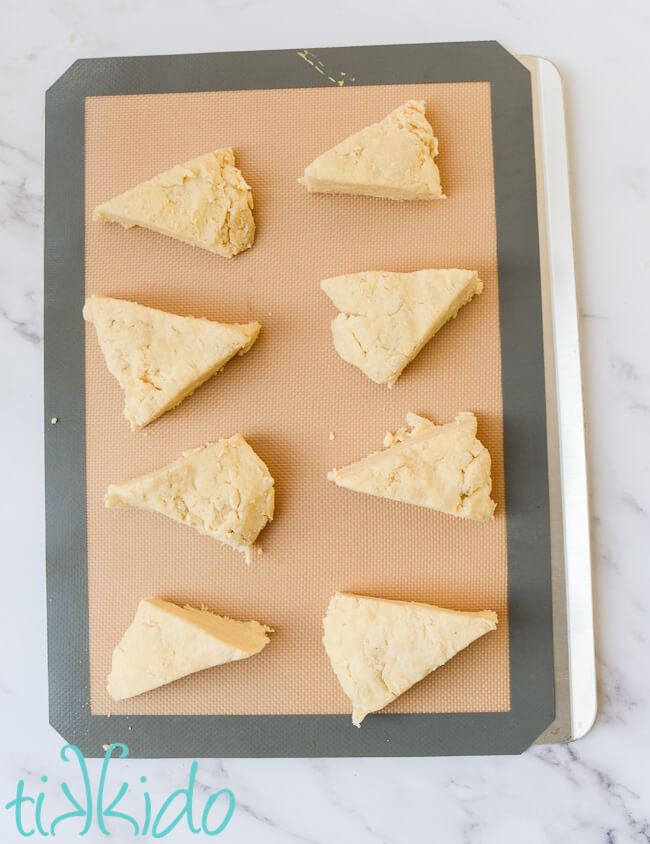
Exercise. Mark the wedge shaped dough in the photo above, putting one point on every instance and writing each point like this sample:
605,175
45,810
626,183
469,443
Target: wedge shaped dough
393,159
443,467
159,358
221,489
380,648
386,318
165,642
205,202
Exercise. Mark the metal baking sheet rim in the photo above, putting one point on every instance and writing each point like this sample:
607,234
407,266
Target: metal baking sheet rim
441,734
573,622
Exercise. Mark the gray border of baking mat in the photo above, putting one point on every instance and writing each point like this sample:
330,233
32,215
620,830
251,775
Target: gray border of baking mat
529,583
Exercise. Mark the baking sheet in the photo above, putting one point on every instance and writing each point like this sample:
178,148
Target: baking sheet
291,390
522,382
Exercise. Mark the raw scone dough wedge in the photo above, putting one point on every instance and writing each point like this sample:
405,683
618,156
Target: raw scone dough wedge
205,202
165,642
387,318
380,648
393,159
221,489
159,358
443,467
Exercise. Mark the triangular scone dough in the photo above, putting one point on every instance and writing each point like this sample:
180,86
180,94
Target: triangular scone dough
165,642
443,467
393,159
380,648
204,202
386,318
160,358
222,490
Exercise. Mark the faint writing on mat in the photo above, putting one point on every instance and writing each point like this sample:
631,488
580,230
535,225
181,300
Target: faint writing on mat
339,79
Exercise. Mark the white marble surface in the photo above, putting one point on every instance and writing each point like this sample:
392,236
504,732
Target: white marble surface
595,790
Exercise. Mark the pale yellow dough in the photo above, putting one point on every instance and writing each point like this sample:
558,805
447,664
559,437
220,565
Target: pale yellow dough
160,358
222,490
387,318
393,159
380,648
205,202
165,642
443,467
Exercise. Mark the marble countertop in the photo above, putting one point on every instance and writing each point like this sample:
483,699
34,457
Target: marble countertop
595,790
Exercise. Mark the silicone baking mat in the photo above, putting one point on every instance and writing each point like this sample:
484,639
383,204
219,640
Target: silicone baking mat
291,390
299,405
